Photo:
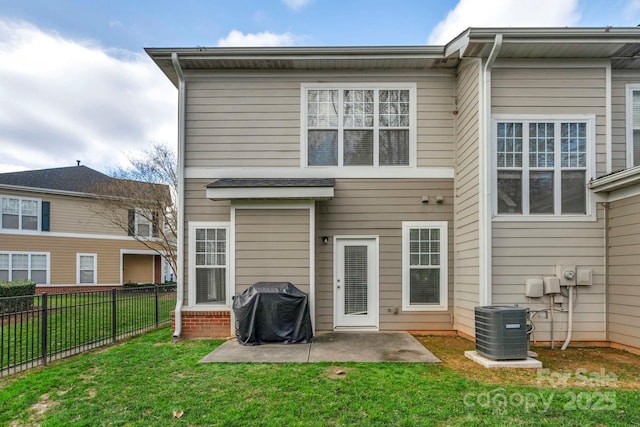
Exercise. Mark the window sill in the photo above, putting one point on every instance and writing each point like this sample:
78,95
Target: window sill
414,308
545,218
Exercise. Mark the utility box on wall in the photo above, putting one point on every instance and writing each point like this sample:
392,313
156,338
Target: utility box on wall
501,332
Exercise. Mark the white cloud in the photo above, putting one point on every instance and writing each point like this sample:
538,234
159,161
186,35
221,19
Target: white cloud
296,4
64,100
237,38
505,13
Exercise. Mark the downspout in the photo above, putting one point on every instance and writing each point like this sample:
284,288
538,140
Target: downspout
485,179
180,229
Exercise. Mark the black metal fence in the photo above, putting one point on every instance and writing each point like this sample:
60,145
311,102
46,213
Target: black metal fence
38,329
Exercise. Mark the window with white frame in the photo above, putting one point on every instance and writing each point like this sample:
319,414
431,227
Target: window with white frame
633,125
144,226
542,167
359,126
24,266
20,213
209,263
424,265
87,266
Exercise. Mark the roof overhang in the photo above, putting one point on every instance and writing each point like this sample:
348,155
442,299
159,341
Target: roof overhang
620,45
618,185
265,189
300,58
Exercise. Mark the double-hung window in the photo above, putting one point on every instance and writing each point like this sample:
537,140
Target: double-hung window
20,213
542,167
24,266
143,224
633,125
87,266
424,265
359,125
209,262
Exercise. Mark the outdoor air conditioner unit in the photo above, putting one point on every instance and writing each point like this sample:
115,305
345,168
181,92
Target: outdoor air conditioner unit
501,332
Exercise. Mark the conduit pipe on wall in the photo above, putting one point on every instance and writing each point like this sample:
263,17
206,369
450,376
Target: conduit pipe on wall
180,229
569,321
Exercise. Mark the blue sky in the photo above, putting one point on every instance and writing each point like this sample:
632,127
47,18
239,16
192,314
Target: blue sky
76,84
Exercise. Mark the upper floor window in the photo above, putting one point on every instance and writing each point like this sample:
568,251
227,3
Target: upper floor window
143,223
354,125
20,213
542,166
633,125
24,266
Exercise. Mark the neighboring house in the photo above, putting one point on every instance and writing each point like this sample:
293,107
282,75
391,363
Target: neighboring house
53,232
403,186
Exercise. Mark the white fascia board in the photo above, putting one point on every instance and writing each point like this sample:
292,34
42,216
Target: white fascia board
320,172
230,193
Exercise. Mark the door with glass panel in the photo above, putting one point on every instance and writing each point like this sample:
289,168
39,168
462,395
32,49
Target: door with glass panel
356,283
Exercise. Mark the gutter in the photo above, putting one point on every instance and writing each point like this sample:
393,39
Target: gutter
485,205
616,181
180,262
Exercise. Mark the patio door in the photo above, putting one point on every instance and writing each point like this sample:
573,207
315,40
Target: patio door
356,283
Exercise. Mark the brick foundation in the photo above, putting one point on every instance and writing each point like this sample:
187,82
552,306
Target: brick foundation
204,324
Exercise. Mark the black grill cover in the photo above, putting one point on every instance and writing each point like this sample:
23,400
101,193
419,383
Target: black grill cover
270,312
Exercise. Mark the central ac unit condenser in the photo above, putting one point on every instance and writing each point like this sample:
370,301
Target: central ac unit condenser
501,332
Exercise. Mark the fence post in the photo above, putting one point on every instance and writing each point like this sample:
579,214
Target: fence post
114,318
157,308
43,326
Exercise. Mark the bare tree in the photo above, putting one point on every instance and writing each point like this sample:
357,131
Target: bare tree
138,199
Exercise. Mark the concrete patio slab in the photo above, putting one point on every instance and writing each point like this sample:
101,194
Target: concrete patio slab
330,347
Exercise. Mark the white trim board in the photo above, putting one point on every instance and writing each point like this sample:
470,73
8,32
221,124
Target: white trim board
231,193
390,172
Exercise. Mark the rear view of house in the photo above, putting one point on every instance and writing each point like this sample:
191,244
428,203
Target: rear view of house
55,231
400,187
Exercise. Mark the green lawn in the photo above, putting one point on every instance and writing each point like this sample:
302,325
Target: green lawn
78,320
145,380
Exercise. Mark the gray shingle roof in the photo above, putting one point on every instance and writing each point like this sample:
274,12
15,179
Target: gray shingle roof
78,179
273,182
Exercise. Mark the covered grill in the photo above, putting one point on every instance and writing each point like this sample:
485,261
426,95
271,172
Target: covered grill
270,312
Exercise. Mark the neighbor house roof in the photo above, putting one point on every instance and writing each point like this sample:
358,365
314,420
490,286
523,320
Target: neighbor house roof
80,180
620,45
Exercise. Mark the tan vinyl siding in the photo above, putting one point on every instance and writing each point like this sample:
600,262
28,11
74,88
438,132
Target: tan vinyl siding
73,214
138,268
198,208
624,270
523,249
619,80
272,245
63,252
377,207
466,233
532,249
255,121
550,91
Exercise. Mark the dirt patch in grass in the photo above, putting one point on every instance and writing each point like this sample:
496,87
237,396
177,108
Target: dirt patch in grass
593,367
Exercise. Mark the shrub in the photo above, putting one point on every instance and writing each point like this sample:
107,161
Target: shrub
16,296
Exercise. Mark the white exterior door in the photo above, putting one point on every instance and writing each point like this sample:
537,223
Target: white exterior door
356,283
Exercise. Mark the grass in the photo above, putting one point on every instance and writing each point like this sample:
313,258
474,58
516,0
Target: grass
148,381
